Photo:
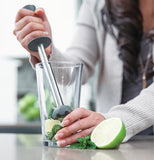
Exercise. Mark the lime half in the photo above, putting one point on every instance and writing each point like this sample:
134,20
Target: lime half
49,123
109,133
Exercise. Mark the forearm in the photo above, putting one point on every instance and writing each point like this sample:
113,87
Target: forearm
84,47
137,114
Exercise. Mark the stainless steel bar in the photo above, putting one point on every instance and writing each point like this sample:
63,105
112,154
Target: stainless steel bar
50,76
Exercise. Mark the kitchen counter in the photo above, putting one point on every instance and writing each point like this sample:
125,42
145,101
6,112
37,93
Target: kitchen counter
30,147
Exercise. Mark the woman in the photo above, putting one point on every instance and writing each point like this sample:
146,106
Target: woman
110,32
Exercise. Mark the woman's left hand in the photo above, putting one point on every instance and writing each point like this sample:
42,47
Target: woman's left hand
79,123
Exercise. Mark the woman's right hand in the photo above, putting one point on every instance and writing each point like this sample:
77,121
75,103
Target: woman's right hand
29,25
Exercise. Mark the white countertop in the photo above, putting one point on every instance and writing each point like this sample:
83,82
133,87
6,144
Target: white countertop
30,147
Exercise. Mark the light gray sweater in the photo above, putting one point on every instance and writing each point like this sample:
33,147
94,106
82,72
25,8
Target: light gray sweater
87,47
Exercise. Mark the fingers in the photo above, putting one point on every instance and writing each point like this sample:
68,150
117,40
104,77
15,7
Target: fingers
73,138
22,13
25,20
41,13
26,12
24,42
26,23
75,115
82,124
29,28
75,127
29,25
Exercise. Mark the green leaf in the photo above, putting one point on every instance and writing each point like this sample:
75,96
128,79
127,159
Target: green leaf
76,146
87,138
49,135
90,145
83,143
50,111
55,129
83,139
60,119
80,140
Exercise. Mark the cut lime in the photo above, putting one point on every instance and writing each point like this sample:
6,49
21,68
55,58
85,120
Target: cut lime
109,133
49,123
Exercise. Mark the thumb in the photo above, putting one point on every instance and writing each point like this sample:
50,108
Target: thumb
41,13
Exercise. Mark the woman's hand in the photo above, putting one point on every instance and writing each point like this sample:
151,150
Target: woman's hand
79,123
29,25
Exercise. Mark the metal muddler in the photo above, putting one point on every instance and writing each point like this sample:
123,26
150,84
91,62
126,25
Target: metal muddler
37,45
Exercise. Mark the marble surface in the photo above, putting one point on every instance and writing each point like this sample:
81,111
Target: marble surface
30,147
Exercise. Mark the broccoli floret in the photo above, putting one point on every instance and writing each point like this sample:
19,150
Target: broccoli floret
54,130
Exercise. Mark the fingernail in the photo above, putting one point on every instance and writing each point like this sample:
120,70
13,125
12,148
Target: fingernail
59,135
61,124
65,123
61,143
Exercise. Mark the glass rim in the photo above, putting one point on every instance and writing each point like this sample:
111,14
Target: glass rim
58,64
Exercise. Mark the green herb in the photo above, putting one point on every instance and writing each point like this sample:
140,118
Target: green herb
55,129
61,119
83,143
50,112
90,145
76,146
50,104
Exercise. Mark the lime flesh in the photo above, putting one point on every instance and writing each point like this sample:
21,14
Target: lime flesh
49,123
109,133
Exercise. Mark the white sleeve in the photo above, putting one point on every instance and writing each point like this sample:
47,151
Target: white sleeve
137,114
84,47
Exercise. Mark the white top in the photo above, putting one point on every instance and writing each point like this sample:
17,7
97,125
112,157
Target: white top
87,47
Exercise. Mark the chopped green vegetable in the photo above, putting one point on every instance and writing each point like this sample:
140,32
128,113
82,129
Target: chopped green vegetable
50,112
76,146
83,143
49,135
50,104
90,145
61,119
55,129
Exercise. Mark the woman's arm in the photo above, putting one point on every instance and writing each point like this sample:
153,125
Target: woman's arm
137,115
83,48
79,123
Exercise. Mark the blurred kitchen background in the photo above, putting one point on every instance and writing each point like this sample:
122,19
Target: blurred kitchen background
17,78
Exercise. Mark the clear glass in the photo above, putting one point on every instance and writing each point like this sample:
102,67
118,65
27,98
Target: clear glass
69,78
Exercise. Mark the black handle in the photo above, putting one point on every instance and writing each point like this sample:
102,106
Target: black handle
30,7
33,44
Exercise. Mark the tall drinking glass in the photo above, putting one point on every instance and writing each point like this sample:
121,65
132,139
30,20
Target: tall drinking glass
69,78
